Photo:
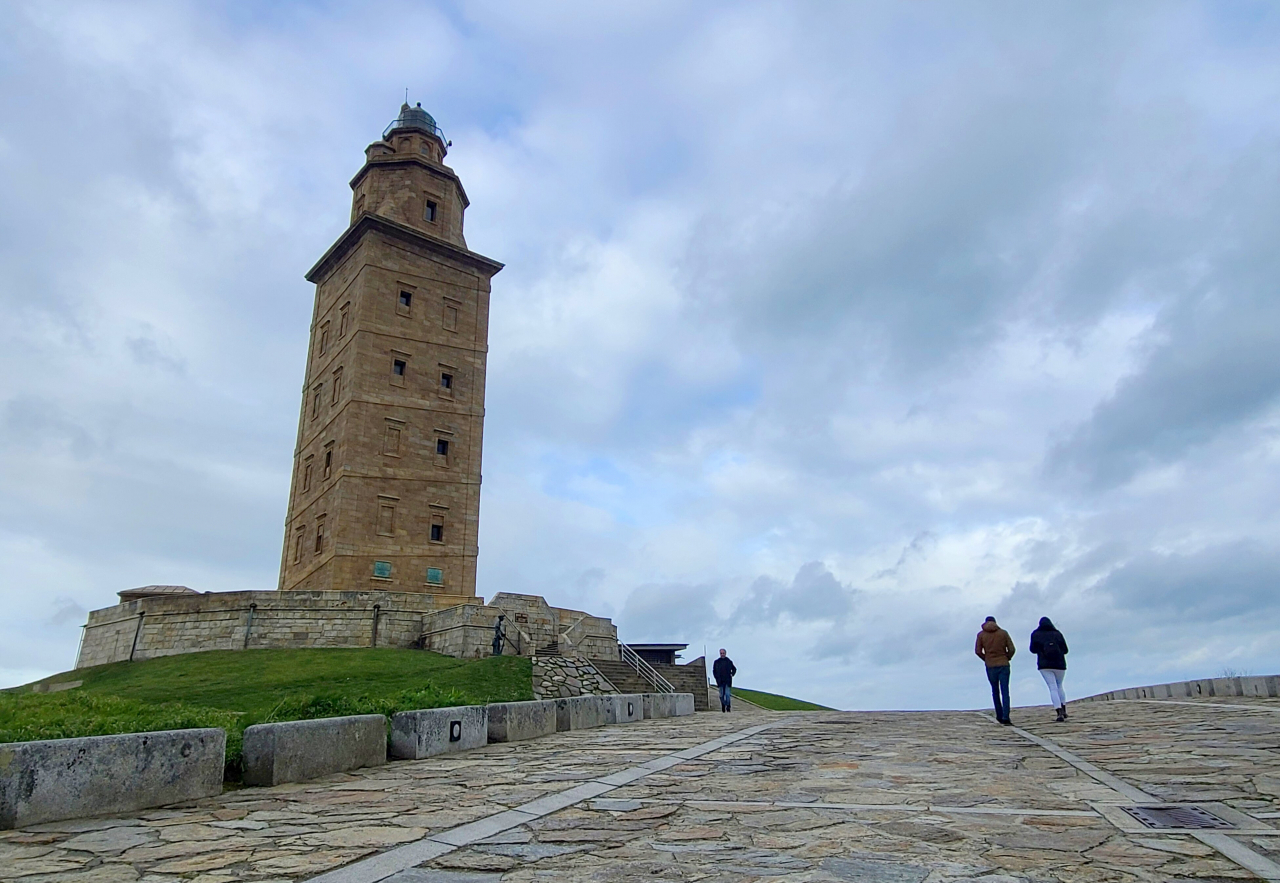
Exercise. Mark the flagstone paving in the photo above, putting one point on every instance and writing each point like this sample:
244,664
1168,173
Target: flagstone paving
890,797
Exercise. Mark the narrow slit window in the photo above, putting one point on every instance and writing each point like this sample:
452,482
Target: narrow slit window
328,463
306,475
297,544
397,367
442,447
337,385
430,213
450,319
320,536
343,321
324,338
315,402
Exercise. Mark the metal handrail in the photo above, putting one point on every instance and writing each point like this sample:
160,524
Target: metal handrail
644,669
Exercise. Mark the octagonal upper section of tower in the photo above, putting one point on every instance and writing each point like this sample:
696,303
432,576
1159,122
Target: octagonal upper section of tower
404,178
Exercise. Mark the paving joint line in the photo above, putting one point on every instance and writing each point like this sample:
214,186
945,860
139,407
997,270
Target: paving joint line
1220,841
401,858
869,807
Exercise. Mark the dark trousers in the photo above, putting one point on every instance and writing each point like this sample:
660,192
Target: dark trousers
726,698
998,675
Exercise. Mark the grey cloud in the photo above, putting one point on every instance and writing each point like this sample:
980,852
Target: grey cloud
1217,368
814,594
668,613
1226,580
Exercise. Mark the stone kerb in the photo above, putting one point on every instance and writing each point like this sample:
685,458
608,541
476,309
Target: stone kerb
514,721
582,712
295,751
626,708
95,775
419,734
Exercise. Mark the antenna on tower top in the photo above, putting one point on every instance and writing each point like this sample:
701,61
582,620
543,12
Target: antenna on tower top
406,94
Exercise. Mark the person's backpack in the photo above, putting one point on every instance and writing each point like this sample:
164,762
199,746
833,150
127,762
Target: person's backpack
1050,645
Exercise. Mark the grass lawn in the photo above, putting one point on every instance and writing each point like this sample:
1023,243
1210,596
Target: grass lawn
233,689
777,703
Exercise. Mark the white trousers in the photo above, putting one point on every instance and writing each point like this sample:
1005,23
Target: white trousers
1053,680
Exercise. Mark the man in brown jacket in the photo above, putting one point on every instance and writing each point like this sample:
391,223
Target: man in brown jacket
995,648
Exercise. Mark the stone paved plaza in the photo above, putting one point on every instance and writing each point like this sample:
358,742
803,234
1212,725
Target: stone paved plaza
894,797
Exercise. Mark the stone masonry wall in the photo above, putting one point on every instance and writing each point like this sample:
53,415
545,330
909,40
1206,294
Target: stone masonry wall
555,677
166,626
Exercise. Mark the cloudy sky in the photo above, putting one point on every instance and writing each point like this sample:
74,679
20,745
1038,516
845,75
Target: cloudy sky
826,329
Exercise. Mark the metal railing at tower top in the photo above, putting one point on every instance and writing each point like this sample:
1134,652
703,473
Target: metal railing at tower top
414,118
644,669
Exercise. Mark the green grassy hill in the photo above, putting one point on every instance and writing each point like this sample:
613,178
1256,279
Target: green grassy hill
774,702
233,689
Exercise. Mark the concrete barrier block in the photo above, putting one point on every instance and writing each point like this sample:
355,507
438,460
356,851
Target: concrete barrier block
582,712
419,734
625,709
682,704
513,721
295,751
69,778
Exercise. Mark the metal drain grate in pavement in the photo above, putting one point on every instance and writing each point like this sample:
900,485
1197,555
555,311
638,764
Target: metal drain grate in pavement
1167,817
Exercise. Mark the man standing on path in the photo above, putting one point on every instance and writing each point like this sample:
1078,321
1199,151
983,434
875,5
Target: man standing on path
995,648
723,671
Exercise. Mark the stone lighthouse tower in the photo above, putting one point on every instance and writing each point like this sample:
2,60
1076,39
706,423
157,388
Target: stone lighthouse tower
386,480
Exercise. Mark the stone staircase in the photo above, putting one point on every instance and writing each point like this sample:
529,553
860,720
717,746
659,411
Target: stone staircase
622,676
689,678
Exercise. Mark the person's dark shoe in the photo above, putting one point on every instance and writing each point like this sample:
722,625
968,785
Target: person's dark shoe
1062,715
1064,712
1007,722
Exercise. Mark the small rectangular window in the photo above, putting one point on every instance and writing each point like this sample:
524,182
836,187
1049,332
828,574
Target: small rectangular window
337,385
386,520
397,367
320,535
442,447
345,315
450,319
446,382
382,569
437,528
315,401
324,338
404,303
430,213
435,576
306,475
328,462
299,539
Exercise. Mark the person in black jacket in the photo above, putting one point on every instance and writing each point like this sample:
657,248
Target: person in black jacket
1050,649
723,671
